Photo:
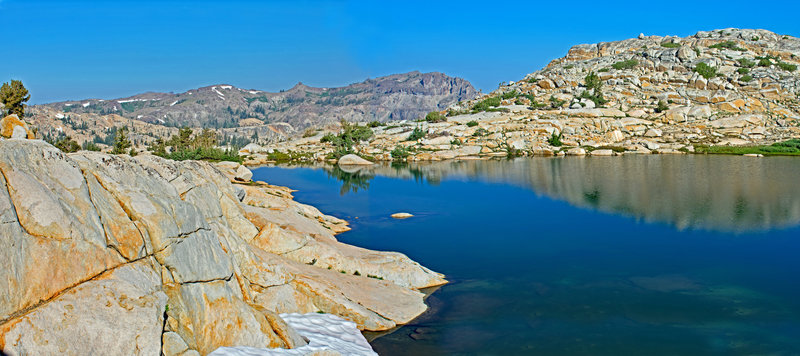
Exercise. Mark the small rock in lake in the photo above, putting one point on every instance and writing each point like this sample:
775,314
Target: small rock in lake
401,215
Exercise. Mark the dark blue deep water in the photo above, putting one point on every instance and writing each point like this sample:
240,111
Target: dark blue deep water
647,255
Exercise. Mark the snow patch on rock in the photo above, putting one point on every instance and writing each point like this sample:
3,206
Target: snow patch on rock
324,332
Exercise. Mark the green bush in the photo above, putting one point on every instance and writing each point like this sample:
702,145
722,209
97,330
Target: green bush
417,134
480,132
670,44
534,104
746,78
728,45
509,95
91,146
602,70
592,92
662,106
472,123
400,152
328,137
435,116
705,70
555,140
743,71
627,64
746,63
787,67
309,132
555,103
764,62
350,135
67,145
485,104
204,154
373,124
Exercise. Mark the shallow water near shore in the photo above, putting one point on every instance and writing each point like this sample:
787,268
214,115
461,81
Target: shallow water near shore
656,255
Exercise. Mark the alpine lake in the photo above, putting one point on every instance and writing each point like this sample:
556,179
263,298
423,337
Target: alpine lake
631,255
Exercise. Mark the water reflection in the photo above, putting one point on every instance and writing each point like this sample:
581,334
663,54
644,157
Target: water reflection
725,193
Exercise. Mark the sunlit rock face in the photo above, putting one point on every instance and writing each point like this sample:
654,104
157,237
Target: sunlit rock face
123,255
725,193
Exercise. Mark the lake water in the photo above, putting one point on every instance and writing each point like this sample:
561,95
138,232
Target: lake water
633,255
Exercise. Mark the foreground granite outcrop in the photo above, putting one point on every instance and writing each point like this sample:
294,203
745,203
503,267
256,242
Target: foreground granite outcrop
142,255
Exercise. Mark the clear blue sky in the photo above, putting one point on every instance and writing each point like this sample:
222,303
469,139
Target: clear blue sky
106,49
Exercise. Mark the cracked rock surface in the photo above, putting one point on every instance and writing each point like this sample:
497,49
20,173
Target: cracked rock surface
142,255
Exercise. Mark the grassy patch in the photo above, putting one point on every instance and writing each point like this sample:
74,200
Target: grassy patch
670,44
472,123
746,63
509,95
705,70
786,148
787,67
628,64
435,116
728,45
486,104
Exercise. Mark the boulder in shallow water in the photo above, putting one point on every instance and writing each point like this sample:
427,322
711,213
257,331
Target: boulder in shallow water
401,215
352,159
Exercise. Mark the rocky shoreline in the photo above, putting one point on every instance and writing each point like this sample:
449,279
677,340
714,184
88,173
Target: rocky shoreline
651,94
142,255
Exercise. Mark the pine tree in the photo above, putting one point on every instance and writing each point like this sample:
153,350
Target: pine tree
13,96
121,141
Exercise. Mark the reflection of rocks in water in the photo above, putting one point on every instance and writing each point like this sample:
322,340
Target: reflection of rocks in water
667,283
353,178
725,193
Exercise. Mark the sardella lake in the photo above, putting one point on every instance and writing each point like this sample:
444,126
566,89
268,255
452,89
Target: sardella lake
647,255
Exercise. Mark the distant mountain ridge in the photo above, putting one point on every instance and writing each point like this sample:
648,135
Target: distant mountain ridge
395,97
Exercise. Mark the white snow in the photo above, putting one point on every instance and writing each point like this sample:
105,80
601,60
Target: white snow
86,104
139,117
67,104
60,116
115,108
161,121
129,100
222,96
174,102
254,92
324,332
226,87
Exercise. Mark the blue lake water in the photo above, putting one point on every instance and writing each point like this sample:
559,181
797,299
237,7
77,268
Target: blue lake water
640,255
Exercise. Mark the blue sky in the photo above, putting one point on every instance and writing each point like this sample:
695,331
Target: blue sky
107,49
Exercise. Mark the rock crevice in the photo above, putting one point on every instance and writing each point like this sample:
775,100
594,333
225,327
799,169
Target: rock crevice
142,255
